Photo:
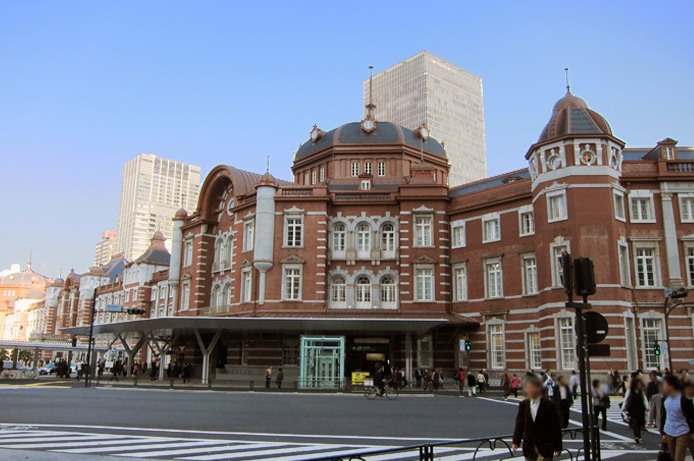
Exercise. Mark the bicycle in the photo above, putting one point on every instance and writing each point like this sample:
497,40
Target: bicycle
371,391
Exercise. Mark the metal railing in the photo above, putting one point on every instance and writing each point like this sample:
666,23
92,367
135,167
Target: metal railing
427,451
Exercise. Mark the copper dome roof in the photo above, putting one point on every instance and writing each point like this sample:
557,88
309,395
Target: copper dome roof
571,115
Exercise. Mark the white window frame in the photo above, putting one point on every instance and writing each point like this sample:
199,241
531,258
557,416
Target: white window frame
322,174
619,201
529,273
491,228
496,290
526,213
389,238
652,323
248,234
689,262
293,224
355,169
496,345
556,250
425,279
563,212
363,292
566,344
338,292
388,292
306,183
185,296
640,262
363,239
187,252
460,282
338,237
313,177
686,202
367,167
669,153
381,168
641,196
534,341
365,184
624,262
458,237
291,272
423,225
246,285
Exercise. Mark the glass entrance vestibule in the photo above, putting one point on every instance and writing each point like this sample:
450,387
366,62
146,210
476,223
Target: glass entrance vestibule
322,362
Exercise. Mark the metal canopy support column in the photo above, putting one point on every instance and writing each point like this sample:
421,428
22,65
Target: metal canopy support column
131,352
35,365
206,352
408,357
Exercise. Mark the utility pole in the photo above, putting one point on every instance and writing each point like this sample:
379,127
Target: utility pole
667,310
88,378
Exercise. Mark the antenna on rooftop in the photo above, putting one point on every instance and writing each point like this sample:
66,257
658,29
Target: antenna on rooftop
568,83
267,166
370,106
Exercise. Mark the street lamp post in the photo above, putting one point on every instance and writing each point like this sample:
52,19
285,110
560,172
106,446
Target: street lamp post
677,294
88,378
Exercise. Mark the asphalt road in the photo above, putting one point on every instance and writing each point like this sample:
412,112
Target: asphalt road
271,423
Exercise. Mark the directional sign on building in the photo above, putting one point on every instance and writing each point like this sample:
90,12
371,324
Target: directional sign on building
114,308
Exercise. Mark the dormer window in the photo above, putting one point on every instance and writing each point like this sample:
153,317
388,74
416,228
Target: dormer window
365,184
669,153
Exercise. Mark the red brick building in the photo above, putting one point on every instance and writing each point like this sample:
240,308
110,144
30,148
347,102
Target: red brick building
368,256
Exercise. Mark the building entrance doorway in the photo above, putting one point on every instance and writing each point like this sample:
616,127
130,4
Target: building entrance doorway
322,362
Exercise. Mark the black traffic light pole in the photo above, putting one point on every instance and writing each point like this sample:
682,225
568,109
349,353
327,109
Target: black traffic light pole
87,379
677,294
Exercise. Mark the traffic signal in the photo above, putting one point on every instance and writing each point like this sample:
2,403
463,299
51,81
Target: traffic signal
468,345
567,276
585,276
74,342
656,349
135,311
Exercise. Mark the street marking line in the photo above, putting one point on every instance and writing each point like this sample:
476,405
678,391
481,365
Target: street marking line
41,443
141,446
31,434
230,445
337,453
99,443
248,454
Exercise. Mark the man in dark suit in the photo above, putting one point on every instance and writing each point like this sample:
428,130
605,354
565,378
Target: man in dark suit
537,424
564,399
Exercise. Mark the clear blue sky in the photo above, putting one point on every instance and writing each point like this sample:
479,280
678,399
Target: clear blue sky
85,86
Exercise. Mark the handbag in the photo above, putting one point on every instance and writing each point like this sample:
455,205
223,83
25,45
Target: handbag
664,454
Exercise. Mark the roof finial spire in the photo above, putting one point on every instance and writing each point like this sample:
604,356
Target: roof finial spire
31,250
267,166
370,106
568,83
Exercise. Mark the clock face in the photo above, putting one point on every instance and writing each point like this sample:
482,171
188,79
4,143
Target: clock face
425,133
314,135
368,125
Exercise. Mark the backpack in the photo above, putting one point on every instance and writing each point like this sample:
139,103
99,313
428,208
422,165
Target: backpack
605,401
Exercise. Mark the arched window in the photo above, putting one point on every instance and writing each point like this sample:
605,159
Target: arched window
230,250
363,288
227,294
216,300
389,292
363,237
338,296
388,237
339,237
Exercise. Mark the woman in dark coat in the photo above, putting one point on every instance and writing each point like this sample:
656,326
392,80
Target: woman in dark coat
636,405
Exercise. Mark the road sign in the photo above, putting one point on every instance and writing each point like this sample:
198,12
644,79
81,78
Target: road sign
114,308
599,350
596,327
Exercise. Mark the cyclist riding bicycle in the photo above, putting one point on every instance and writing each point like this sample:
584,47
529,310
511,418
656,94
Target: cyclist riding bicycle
380,380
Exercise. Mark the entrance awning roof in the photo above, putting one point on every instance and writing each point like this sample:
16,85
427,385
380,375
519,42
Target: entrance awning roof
175,325
41,346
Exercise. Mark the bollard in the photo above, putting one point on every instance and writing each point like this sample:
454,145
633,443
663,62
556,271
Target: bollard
171,383
296,385
134,381
251,385
209,384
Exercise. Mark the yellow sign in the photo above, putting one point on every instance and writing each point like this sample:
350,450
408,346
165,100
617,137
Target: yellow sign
358,377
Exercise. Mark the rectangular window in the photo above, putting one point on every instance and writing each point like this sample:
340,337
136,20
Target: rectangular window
624,269
641,209
185,297
460,283
381,168
669,153
645,267
339,237
367,167
188,253
529,274
567,343
322,174
246,285
458,234
493,279
294,235
365,184
690,265
620,212
313,176
491,230
424,284
422,231
652,331
556,207
292,283
496,347
248,231
534,351
355,168
306,183
388,237
557,273
527,223
686,209
363,238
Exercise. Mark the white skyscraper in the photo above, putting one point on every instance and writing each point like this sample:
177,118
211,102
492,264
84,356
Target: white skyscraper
427,88
153,189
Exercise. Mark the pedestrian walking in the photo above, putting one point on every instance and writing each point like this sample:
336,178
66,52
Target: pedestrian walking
652,388
575,383
549,384
655,414
418,377
636,406
471,384
537,424
515,384
564,400
78,370
481,381
280,378
601,402
268,377
677,420
506,384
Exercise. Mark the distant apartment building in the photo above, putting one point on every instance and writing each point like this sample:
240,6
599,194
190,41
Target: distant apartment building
105,248
427,88
153,189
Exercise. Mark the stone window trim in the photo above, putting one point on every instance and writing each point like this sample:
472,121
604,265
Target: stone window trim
246,283
564,348
525,257
460,293
486,263
248,233
646,244
458,234
561,214
497,326
686,207
488,237
641,194
654,317
558,243
293,265
523,213
188,251
619,203
294,212
624,261
418,214
424,263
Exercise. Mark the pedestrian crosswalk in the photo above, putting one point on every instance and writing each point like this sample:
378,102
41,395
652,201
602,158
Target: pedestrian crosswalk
150,447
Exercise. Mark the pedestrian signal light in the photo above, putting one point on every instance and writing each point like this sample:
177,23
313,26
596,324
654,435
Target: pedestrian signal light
656,349
468,344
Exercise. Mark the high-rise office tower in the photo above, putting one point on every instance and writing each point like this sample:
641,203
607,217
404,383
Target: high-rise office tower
105,248
427,88
153,189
